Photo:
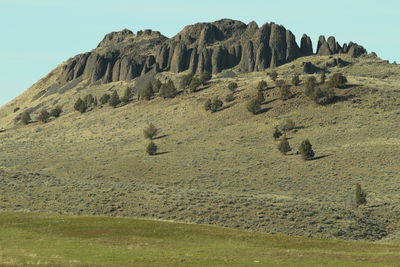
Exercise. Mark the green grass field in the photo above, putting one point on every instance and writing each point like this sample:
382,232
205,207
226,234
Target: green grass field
57,240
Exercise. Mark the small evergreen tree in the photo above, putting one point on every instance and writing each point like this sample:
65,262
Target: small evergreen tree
273,75
277,134
205,77
44,116
229,97
150,132
96,103
216,104
284,146
361,196
168,90
185,81
295,80
80,105
280,83
337,80
285,92
260,96
194,84
157,85
232,86
306,150
89,100
127,95
207,105
262,85
104,99
322,78
56,112
309,85
114,99
26,118
254,106
147,92
151,149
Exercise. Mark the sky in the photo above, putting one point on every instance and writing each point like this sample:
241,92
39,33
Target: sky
38,35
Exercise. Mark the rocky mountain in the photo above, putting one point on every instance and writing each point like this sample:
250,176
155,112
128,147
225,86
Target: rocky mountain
211,47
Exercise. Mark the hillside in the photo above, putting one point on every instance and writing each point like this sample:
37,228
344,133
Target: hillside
222,168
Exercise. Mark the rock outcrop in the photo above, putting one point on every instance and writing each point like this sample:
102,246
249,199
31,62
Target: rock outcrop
211,47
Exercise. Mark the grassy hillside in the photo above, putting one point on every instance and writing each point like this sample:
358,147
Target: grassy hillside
222,168
28,239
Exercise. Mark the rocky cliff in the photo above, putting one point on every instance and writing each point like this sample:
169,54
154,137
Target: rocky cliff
211,47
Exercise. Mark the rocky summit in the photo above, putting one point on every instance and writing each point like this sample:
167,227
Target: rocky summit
202,47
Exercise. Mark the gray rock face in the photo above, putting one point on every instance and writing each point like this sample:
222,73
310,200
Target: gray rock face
211,47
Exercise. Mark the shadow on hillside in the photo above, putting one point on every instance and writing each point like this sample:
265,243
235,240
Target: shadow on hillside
348,86
321,157
160,137
269,101
161,153
263,110
343,98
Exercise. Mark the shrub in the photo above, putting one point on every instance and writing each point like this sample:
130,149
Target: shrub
127,95
276,133
279,83
295,80
323,96
284,146
157,85
285,92
361,196
207,105
288,125
262,85
44,116
254,106
168,90
273,75
56,112
216,104
105,98
26,118
114,99
95,101
194,84
309,85
89,100
205,77
151,149
232,86
150,132
306,150
229,98
16,109
147,92
322,78
260,96
337,80
80,106
185,81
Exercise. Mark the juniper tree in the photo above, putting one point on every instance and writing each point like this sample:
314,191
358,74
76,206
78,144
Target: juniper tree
185,81
80,105
232,86
216,104
284,146
285,92
276,133
337,80
104,99
306,150
254,106
194,84
207,105
262,85
322,78
205,77
168,90
150,132
151,149
260,96
26,117
114,99
56,112
44,116
273,75
295,80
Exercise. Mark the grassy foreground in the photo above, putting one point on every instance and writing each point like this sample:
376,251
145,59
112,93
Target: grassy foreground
58,240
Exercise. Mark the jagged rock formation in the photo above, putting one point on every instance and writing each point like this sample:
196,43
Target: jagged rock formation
211,47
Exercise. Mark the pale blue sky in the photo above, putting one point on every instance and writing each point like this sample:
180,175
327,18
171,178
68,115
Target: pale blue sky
37,35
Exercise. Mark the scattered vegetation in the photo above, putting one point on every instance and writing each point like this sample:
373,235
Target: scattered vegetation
150,132
361,196
56,112
213,105
205,77
262,85
168,90
254,106
284,146
230,97
277,134
151,148
295,80
185,81
44,116
279,83
80,105
26,118
337,80
273,75
306,150
285,92
114,100
147,92
232,86
104,99
194,84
